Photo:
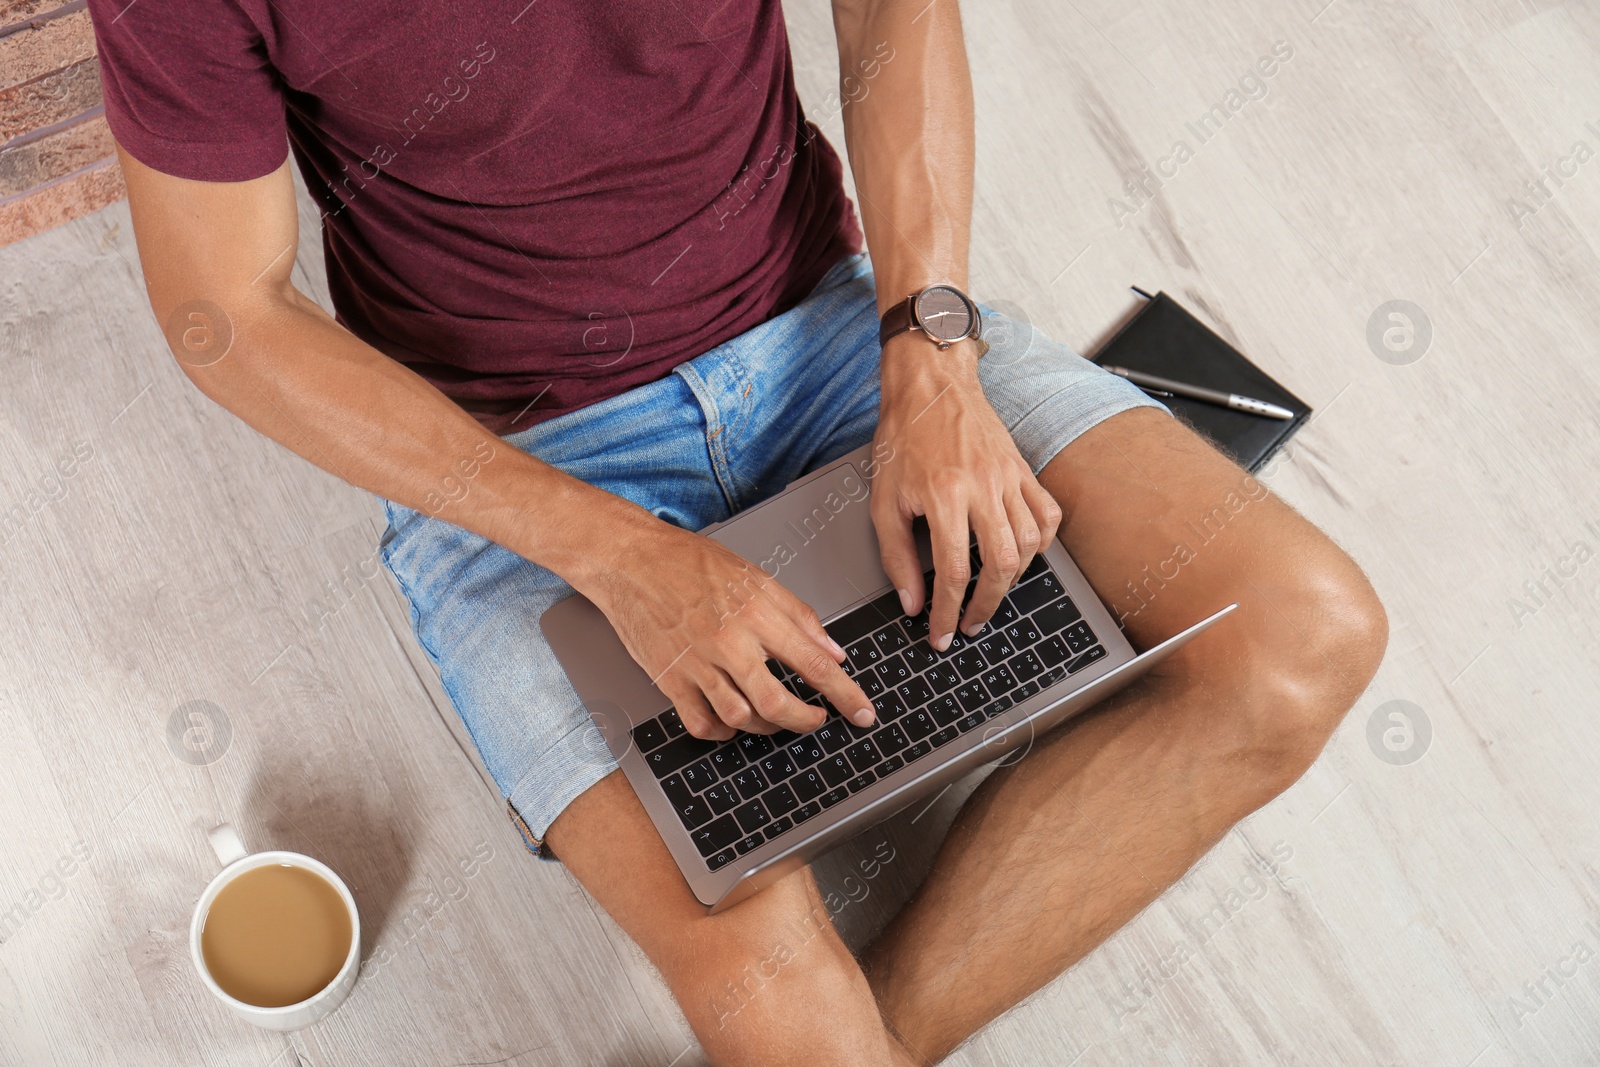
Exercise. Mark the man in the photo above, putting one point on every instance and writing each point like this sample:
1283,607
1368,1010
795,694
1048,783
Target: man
597,286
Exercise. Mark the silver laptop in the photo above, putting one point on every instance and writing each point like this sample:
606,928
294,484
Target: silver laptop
740,814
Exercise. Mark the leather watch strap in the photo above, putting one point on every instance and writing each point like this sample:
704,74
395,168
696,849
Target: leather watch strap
896,320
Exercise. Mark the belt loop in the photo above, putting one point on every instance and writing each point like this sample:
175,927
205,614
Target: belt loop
716,430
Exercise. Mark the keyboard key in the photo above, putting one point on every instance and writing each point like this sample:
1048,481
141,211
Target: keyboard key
721,859
1052,585
890,640
727,760
808,785
836,770
806,751
752,816
861,781
971,696
693,812
891,672
945,736
1036,567
856,733
1054,652
780,801
919,657
806,811
1023,634
863,755
1000,680
778,766
915,693
960,641
722,797
848,629
864,655
677,792
1097,652
870,683
943,677
677,754
649,735
891,707
1026,666
699,775
917,751
1057,616
1051,677
749,783
748,844
997,706
671,725
891,739
754,746
802,688
969,662
1031,596
832,735
1024,691
833,796
945,710
919,724
779,826
714,837
889,766
976,719
1005,614
996,649
1079,637
916,626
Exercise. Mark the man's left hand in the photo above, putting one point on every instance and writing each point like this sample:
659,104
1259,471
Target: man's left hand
954,462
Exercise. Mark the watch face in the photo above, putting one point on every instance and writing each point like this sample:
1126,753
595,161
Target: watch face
944,313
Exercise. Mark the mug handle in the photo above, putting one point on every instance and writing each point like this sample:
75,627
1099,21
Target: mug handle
227,844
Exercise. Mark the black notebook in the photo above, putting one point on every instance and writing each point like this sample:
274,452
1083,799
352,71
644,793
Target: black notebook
1165,340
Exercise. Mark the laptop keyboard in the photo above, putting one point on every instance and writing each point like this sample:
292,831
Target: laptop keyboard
734,795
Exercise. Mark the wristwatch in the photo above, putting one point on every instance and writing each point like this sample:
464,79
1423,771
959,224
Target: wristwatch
943,313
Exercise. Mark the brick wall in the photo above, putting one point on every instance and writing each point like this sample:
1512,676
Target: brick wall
57,161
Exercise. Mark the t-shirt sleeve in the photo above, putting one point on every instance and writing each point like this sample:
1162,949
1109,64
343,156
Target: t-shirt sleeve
189,90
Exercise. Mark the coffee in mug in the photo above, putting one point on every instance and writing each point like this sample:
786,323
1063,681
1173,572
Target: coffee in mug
275,935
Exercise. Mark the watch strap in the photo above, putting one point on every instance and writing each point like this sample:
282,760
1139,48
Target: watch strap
896,320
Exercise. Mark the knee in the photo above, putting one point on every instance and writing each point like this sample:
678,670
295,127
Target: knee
1303,652
745,976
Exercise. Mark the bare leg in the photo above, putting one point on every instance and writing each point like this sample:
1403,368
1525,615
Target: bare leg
766,982
1051,856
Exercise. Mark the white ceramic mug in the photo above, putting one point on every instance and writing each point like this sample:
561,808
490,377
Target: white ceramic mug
235,860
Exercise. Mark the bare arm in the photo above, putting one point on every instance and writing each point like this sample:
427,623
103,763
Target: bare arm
226,250
908,130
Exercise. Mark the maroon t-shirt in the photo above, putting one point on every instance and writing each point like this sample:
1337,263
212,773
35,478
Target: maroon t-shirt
534,205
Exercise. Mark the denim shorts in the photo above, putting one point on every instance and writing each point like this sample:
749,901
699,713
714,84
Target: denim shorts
720,433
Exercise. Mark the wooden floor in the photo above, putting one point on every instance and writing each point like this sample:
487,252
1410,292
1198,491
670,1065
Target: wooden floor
1443,911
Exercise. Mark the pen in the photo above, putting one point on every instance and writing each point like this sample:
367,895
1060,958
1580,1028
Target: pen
1210,396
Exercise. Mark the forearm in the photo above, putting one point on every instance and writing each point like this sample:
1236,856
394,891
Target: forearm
908,132
301,379
218,260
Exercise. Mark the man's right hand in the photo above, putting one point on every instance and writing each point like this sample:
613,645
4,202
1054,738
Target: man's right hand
703,621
